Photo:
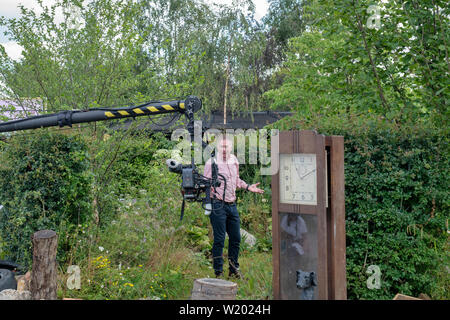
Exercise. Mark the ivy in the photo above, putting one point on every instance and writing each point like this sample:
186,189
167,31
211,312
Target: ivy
397,203
44,184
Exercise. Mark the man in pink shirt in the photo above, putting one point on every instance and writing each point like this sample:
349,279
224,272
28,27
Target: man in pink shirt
224,216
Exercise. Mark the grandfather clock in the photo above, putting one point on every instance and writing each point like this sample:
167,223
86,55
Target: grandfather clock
308,217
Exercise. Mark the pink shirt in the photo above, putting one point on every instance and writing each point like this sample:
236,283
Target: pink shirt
230,170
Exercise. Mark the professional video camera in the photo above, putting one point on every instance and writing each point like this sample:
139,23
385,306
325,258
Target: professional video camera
194,184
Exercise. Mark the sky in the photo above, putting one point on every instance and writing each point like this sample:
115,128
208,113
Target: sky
10,9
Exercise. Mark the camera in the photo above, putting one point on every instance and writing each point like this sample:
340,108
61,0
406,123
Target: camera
193,184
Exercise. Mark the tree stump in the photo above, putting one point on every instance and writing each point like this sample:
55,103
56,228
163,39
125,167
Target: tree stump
400,296
44,270
213,289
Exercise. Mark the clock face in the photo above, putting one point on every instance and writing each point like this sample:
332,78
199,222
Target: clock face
298,179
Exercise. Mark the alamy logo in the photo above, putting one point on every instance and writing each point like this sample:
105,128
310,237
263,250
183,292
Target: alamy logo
256,142
374,281
374,20
73,15
74,280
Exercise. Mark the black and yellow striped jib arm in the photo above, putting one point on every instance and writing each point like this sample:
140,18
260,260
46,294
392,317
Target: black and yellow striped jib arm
148,109
66,118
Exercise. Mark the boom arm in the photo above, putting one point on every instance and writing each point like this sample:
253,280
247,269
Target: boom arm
193,183
188,106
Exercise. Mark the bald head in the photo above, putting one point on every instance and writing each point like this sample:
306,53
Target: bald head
224,146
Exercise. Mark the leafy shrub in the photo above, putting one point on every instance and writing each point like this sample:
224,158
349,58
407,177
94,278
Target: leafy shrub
44,184
397,202
198,238
123,163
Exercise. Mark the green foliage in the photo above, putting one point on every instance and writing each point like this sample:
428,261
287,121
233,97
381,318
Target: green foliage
138,155
339,75
343,64
397,203
146,252
86,60
44,184
106,51
198,238
286,19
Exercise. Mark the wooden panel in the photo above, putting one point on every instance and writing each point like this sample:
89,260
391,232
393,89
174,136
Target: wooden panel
321,215
302,142
275,228
297,208
337,219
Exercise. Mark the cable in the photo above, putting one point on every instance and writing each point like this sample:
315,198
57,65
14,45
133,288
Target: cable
167,123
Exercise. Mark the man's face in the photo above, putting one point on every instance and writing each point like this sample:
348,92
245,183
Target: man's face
224,147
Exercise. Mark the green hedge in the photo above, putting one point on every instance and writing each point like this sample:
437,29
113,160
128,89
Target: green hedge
397,203
44,184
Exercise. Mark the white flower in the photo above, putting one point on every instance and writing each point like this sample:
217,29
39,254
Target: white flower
101,249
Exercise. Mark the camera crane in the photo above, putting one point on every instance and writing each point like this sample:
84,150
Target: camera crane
193,184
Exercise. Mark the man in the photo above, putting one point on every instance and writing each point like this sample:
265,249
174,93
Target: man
224,216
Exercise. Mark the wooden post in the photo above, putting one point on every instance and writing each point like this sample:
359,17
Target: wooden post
213,289
44,270
337,219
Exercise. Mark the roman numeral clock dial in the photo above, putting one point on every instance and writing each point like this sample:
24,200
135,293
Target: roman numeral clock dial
298,179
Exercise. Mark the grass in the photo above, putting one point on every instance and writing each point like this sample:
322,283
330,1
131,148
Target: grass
147,253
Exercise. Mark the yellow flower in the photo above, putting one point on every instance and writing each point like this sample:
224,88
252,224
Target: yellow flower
101,262
128,284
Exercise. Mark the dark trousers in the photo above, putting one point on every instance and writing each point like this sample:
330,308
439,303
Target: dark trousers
225,218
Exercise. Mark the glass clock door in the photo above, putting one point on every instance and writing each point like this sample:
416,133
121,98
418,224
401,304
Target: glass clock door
298,256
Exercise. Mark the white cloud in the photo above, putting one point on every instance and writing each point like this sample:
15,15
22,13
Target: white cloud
261,6
13,50
10,8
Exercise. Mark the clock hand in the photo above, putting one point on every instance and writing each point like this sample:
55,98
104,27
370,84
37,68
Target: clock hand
308,173
296,169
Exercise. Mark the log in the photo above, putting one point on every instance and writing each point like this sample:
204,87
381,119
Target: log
44,270
400,296
213,289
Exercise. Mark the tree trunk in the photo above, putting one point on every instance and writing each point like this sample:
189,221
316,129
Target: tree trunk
213,289
225,96
44,270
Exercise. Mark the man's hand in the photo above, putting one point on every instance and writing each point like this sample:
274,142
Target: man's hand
254,188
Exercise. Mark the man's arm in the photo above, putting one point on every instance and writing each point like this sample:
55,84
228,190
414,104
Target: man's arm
207,171
244,185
